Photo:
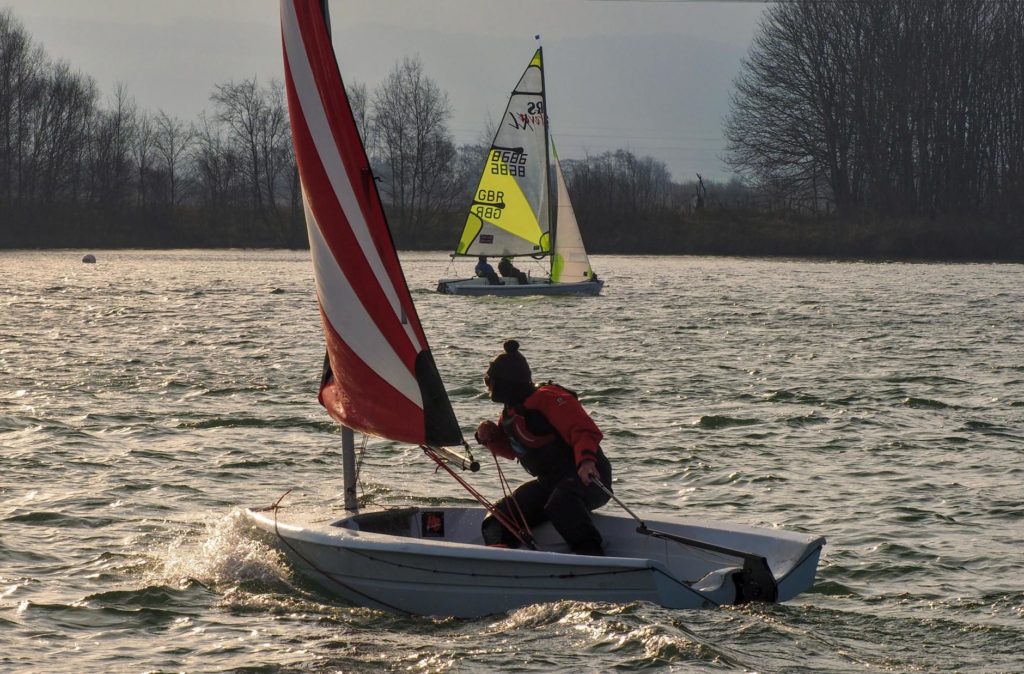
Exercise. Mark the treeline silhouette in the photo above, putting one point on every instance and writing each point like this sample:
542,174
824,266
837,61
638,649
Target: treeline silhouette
875,129
904,117
75,173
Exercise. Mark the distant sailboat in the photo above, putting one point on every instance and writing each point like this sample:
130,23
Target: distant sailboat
380,378
511,214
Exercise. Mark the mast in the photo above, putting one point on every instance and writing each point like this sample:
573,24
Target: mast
348,436
547,161
348,468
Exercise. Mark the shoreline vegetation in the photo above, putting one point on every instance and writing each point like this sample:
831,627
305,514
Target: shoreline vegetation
707,234
872,156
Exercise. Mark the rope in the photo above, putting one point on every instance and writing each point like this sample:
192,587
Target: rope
359,467
451,263
443,572
524,537
509,496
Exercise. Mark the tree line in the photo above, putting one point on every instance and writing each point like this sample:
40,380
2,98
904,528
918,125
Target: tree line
76,170
872,128
905,118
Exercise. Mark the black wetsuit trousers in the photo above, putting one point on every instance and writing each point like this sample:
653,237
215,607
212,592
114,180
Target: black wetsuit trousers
561,499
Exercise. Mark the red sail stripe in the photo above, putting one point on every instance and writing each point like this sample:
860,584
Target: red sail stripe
343,244
346,138
385,412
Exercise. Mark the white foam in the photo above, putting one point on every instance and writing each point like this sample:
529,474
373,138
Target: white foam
225,553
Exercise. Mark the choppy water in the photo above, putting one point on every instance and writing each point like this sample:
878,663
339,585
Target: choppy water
144,397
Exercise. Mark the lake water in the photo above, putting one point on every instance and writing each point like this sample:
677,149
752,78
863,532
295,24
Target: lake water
144,398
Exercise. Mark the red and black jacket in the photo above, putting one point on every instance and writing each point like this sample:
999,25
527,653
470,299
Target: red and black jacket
549,433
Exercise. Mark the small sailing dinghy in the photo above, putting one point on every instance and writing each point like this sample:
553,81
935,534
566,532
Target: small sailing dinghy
510,215
380,379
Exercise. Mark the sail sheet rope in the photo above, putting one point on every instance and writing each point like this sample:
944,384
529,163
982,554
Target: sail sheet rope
516,524
507,493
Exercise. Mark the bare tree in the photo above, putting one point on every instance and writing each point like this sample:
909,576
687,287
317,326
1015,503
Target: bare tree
219,175
360,102
112,137
257,122
616,187
886,107
142,153
22,90
410,116
172,140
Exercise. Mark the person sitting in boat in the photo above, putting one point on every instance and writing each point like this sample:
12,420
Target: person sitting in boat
508,270
557,442
484,269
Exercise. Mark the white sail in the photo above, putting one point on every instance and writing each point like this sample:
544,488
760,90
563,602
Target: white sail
569,263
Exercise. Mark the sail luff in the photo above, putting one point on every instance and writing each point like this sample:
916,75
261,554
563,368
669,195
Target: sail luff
382,377
552,222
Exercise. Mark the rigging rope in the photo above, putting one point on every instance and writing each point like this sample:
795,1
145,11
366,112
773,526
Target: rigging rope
524,536
506,489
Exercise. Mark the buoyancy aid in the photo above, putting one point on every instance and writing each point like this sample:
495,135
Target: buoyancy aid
550,432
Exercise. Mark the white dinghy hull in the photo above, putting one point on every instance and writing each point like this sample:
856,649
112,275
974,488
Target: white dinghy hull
389,560
511,288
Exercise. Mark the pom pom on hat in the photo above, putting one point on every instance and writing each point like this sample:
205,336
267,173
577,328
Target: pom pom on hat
510,366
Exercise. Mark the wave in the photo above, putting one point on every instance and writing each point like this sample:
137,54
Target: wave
927,403
85,616
640,636
225,552
924,379
717,422
784,395
254,422
810,419
56,519
990,429
185,595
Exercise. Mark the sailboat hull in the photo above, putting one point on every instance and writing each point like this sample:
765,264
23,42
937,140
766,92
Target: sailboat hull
510,288
433,562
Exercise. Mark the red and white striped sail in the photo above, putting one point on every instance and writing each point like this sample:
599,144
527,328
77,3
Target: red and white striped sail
383,378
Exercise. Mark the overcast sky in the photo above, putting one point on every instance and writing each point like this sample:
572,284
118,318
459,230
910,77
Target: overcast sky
650,76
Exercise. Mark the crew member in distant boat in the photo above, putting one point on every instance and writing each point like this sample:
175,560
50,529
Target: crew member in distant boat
508,270
484,269
557,442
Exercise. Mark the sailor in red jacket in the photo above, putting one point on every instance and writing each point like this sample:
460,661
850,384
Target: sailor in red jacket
547,430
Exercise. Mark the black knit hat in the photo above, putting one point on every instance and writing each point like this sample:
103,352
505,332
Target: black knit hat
510,367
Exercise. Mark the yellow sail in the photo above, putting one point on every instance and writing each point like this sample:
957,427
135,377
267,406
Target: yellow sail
509,214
